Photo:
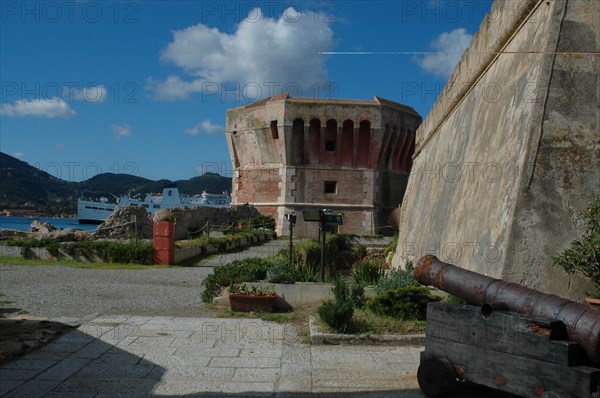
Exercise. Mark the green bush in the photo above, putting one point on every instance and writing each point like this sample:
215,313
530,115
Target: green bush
398,278
283,255
405,303
246,270
367,271
283,273
124,252
311,250
360,251
307,272
392,246
584,254
334,245
338,313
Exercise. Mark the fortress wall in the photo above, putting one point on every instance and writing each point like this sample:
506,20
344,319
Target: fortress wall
566,169
495,182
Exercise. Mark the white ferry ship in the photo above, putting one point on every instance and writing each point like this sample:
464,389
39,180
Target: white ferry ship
94,212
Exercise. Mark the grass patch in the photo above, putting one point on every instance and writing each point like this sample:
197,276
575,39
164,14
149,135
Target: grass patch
364,322
75,264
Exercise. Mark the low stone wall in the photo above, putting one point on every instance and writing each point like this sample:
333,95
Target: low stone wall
192,219
182,255
290,296
41,253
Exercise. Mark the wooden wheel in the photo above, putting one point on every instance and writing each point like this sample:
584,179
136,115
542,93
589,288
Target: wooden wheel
436,376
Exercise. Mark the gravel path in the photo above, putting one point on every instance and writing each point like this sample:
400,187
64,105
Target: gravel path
56,291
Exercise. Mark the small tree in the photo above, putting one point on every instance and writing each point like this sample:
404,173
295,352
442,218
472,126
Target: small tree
584,254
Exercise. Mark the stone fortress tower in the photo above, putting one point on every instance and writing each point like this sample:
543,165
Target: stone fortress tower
348,156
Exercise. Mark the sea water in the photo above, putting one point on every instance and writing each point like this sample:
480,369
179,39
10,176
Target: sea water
24,223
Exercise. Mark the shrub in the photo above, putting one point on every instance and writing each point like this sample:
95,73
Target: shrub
367,271
246,270
283,273
584,254
398,278
334,246
311,250
307,272
392,246
360,251
138,252
405,303
338,313
283,255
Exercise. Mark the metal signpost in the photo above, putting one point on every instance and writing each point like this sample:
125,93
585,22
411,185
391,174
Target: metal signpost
324,217
292,220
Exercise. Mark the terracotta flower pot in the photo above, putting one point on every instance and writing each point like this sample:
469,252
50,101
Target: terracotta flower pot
249,303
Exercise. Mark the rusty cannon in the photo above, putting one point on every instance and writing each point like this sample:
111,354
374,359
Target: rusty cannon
509,337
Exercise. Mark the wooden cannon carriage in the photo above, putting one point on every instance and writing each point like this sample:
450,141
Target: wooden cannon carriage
515,339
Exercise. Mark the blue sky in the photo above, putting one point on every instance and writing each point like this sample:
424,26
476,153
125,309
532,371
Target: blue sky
142,87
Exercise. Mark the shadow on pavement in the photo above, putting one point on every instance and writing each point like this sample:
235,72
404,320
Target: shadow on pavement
20,336
81,363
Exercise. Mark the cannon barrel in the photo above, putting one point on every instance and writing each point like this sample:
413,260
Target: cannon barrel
582,321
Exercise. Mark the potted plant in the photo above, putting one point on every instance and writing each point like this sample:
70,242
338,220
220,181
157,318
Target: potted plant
254,298
584,254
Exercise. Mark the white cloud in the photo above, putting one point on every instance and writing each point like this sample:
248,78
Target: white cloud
449,47
93,94
53,107
121,131
205,126
18,154
262,51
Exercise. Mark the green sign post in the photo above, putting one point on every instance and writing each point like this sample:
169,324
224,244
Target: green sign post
334,218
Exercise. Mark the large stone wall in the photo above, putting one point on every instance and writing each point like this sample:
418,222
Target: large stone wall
510,150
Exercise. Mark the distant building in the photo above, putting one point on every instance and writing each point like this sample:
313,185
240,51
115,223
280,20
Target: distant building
349,156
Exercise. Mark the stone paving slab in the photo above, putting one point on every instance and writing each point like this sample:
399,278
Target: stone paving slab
164,356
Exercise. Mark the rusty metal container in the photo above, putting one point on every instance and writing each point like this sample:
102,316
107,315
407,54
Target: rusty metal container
582,321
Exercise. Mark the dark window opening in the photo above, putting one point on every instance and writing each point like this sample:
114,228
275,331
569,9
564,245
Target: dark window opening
330,146
274,132
330,187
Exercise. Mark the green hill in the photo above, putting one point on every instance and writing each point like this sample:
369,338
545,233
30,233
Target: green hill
24,186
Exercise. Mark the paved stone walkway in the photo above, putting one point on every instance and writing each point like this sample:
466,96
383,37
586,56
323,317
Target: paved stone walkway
139,356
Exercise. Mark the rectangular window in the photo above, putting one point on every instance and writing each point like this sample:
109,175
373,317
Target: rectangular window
330,146
330,187
274,132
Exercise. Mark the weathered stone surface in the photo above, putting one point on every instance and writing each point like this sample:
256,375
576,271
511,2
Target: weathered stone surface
510,151
120,224
48,231
190,220
41,228
70,235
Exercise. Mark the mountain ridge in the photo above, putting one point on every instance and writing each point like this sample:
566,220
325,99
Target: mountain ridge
27,187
